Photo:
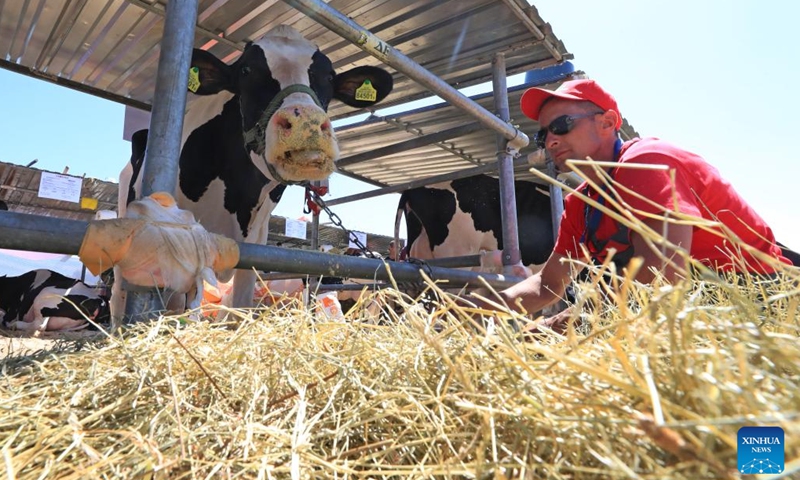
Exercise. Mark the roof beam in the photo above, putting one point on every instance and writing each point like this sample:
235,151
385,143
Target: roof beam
159,10
412,144
80,87
489,167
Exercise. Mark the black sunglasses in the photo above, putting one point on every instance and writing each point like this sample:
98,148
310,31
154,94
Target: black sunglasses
560,126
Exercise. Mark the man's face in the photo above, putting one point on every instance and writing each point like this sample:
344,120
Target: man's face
583,139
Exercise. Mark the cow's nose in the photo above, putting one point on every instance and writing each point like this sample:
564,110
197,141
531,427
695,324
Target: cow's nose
289,120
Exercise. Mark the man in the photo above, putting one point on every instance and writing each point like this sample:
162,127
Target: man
581,121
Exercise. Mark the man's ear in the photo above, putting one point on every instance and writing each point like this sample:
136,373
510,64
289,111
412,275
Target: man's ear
610,118
209,75
347,85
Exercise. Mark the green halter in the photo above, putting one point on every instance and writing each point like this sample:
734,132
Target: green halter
255,138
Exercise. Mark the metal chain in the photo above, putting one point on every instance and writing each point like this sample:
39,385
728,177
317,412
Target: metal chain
338,222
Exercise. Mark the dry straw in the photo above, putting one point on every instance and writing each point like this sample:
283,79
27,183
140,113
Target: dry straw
653,382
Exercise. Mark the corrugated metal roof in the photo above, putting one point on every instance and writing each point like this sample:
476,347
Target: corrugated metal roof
453,154
111,47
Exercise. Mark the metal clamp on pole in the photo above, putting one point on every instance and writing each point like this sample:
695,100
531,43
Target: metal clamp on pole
350,30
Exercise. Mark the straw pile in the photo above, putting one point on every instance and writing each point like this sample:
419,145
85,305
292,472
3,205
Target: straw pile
657,389
653,382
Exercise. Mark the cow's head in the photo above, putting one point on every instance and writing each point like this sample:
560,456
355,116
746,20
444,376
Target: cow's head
284,85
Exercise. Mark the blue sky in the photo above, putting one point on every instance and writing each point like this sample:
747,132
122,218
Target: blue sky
715,77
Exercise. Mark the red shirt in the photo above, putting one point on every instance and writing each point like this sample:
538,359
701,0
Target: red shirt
698,190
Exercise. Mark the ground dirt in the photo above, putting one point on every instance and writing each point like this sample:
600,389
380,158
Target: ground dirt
16,344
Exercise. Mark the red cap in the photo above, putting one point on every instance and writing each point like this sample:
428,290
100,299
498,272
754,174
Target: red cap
533,98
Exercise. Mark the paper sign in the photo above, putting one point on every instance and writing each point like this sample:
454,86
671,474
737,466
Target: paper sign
60,187
295,228
362,237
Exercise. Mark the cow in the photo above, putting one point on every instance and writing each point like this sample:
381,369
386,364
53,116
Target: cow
462,217
252,128
47,300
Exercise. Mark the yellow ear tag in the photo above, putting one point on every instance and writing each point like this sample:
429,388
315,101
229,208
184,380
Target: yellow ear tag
366,92
194,79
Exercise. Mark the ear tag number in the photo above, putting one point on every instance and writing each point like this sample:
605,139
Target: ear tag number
366,92
194,79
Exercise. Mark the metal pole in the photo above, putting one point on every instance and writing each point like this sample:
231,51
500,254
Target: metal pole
508,197
456,262
169,100
412,144
315,226
276,259
36,233
445,177
21,231
556,199
166,125
350,30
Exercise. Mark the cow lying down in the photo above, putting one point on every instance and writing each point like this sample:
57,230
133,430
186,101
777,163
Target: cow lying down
44,300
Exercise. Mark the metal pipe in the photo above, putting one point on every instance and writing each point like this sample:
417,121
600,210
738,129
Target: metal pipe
350,30
280,276
412,144
508,197
315,224
166,125
144,305
71,84
456,262
169,101
334,287
23,231
489,167
276,259
556,199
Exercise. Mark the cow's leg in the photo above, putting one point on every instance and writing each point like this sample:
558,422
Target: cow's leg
63,324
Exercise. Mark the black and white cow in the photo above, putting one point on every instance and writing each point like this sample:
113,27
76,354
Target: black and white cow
253,127
46,300
462,217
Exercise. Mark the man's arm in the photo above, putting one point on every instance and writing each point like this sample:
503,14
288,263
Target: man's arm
680,235
542,289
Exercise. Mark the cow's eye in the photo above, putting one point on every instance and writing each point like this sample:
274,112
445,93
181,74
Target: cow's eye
245,70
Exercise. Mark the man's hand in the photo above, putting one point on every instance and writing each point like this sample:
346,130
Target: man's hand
558,323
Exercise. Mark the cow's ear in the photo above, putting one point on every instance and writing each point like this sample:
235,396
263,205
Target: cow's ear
209,75
352,87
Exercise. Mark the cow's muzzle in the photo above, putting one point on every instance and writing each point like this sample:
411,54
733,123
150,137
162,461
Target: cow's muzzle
301,146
